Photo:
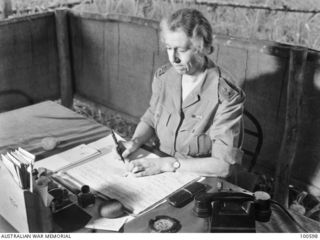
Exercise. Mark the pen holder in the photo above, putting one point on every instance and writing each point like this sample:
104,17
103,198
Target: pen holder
24,210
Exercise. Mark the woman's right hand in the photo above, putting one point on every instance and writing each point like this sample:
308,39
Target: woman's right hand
130,147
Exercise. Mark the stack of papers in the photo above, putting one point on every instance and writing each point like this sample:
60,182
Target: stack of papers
97,165
107,175
68,158
113,224
19,163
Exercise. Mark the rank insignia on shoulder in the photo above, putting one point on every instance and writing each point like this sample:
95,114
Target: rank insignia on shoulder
227,90
163,69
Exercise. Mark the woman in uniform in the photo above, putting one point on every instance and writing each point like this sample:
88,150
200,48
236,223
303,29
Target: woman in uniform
195,109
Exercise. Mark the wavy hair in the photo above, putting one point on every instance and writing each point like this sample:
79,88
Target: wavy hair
193,24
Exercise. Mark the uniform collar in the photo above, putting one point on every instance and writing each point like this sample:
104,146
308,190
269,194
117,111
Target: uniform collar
204,89
175,87
194,95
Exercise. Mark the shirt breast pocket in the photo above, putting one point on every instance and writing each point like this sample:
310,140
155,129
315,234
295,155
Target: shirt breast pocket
200,146
190,124
162,121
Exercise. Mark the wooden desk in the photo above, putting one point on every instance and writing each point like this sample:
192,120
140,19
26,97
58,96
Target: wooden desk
189,222
26,127
279,221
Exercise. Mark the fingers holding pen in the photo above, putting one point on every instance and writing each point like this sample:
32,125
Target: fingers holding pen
132,167
123,150
129,147
126,153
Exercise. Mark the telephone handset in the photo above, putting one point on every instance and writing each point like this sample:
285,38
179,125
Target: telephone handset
233,211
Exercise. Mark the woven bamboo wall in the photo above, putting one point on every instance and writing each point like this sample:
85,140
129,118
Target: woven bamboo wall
28,61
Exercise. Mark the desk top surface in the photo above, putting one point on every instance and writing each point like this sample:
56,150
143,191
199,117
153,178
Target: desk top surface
26,127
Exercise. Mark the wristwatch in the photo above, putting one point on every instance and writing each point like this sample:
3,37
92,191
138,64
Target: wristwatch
176,165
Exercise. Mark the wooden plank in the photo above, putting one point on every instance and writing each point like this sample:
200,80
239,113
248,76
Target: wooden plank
76,35
111,62
137,47
28,63
297,63
91,59
64,58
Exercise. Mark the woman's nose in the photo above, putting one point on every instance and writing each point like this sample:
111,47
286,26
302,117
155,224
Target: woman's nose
173,56
176,59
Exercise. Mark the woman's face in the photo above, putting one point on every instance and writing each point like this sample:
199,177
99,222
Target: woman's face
182,54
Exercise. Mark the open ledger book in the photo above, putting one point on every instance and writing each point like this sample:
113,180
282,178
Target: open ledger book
106,175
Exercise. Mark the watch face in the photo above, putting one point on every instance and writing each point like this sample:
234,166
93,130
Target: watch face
176,165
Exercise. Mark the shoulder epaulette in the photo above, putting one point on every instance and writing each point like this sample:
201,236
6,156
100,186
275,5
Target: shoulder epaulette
163,69
227,88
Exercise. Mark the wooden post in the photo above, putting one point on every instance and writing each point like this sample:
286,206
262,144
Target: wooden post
66,87
297,63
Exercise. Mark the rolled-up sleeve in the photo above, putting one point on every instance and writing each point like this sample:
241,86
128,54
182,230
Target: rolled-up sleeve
226,131
148,116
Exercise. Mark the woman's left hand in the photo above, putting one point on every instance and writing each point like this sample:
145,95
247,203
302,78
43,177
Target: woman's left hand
149,166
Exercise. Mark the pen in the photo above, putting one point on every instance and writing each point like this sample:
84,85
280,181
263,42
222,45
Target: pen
118,147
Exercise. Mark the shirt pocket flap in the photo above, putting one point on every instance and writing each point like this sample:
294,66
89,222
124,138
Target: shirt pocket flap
200,146
162,116
190,123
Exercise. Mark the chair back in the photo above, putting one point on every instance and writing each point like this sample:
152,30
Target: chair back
252,134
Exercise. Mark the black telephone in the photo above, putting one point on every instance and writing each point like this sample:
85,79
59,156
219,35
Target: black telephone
232,211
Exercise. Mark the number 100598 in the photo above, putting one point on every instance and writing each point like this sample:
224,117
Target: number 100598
309,235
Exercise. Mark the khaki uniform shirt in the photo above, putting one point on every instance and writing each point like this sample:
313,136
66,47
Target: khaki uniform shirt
207,123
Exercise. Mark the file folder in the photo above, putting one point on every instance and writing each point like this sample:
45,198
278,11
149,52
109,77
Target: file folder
24,210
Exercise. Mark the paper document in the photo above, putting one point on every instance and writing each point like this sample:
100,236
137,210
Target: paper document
105,174
19,163
68,158
113,224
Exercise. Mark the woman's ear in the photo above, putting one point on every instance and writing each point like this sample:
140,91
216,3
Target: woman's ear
209,50
201,48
